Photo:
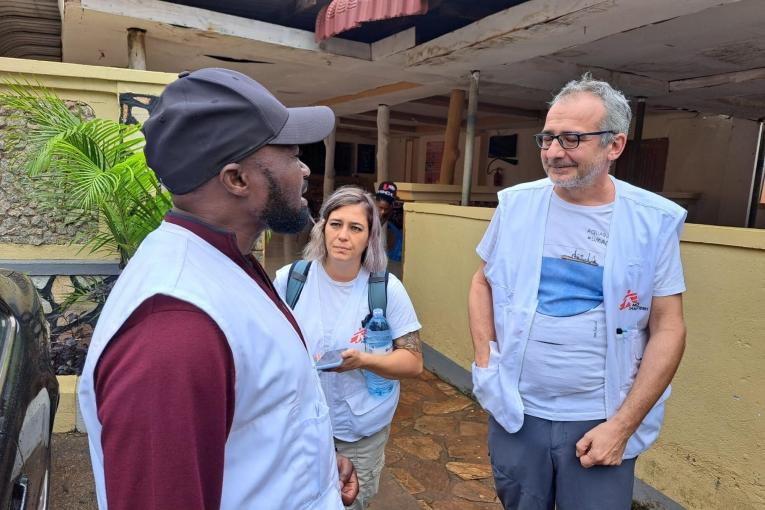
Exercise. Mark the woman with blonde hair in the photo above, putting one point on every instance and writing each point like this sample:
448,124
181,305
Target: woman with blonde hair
345,247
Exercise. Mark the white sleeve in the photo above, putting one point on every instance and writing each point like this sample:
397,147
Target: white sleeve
280,281
400,313
489,241
668,279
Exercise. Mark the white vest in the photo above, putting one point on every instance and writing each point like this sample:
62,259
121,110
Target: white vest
641,225
354,411
279,453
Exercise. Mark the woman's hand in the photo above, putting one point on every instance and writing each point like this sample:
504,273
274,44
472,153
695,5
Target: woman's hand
352,359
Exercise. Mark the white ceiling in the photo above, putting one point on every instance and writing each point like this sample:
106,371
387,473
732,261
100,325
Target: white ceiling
648,48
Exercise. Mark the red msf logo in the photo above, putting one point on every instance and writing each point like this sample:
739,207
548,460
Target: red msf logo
630,300
358,336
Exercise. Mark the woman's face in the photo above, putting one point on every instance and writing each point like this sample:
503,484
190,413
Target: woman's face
346,233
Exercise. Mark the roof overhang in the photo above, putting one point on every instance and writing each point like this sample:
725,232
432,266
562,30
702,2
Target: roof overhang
703,55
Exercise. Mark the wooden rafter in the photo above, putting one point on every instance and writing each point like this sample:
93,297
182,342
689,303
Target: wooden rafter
496,109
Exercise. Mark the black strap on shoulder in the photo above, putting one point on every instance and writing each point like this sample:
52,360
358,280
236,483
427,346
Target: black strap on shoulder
296,280
377,294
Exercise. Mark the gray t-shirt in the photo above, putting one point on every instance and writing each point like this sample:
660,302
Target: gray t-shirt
563,372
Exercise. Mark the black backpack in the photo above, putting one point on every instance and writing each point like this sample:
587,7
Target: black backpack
377,294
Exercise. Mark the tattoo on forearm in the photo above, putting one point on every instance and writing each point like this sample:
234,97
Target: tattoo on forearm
409,341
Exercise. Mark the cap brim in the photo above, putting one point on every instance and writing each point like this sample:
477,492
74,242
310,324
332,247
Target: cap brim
306,125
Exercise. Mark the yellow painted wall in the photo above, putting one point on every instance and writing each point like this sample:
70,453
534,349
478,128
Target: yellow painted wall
97,86
439,261
711,454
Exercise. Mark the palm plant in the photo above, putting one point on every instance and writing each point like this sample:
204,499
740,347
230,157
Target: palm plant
86,168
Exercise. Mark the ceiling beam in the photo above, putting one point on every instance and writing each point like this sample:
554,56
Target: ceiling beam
716,80
411,117
382,90
365,133
148,14
551,73
539,27
495,109
344,121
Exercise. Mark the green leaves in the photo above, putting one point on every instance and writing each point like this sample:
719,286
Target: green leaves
90,168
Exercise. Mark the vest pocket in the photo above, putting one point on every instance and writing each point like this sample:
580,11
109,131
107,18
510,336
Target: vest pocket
361,402
487,388
316,465
631,347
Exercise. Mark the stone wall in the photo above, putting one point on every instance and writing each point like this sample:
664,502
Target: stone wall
23,218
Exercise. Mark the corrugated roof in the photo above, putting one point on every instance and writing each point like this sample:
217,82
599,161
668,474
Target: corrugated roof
342,15
30,29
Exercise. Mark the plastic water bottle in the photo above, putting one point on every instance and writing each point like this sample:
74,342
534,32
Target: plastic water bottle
378,340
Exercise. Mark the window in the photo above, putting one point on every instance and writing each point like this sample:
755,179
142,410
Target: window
367,159
343,158
313,155
434,152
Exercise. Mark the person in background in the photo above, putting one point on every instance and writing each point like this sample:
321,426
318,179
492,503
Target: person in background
576,314
344,248
198,390
385,199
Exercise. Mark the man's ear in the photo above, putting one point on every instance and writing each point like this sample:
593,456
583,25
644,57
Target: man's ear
618,142
234,179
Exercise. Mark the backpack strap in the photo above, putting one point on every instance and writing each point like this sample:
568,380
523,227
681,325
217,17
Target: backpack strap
296,280
378,291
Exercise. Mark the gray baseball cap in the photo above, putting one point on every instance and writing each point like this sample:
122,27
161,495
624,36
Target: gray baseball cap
211,117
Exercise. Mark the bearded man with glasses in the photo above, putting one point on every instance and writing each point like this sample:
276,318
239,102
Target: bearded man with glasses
576,315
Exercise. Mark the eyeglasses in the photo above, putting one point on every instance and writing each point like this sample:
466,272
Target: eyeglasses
566,140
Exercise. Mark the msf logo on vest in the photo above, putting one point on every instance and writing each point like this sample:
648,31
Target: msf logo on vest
631,302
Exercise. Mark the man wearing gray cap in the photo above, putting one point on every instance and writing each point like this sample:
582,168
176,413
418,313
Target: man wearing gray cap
198,391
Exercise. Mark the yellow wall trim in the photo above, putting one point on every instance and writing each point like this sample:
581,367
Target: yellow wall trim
725,236
474,213
61,69
11,251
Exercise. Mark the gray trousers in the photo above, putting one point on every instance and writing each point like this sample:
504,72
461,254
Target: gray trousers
536,468
368,456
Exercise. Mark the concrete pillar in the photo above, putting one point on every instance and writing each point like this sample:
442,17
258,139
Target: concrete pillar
383,138
329,164
137,48
452,137
467,173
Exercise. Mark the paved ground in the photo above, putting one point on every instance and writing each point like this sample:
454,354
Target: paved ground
438,451
71,479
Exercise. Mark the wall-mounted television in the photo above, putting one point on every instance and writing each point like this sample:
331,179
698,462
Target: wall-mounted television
504,147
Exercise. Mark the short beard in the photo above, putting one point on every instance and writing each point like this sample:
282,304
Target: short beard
582,179
278,215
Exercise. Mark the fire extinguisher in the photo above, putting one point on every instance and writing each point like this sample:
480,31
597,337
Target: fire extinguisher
498,181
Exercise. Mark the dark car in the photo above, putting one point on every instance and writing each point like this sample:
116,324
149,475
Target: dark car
28,396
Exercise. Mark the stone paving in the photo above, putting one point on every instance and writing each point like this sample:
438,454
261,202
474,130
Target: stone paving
437,450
